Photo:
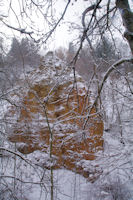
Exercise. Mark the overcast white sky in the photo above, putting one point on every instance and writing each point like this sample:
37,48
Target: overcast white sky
62,36
73,14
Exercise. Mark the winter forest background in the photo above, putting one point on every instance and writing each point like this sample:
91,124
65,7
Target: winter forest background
66,99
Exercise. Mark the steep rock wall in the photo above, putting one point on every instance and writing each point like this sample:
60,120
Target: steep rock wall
54,104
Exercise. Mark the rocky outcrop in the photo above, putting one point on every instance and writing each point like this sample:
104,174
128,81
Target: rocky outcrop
52,110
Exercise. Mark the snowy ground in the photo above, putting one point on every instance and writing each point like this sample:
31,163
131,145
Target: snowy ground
30,181
67,185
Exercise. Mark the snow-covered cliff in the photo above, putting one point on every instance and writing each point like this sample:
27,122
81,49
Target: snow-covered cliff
49,115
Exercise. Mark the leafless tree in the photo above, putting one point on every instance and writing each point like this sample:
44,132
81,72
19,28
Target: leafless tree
99,19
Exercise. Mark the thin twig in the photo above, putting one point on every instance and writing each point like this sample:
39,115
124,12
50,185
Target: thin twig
119,62
51,31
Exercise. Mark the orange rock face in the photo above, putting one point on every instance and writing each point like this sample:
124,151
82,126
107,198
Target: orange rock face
51,119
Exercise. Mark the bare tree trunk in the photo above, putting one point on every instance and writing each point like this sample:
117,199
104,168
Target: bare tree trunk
127,17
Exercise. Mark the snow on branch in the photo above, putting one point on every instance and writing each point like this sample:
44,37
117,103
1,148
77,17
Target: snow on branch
113,67
119,62
17,154
21,30
58,22
127,17
22,181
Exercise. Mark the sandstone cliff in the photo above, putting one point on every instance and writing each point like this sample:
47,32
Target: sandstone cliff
50,114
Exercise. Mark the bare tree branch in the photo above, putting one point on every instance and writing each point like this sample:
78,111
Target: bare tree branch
53,29
113,67
21,30
127,17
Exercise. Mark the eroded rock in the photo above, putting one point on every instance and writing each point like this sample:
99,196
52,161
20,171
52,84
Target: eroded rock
56,104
